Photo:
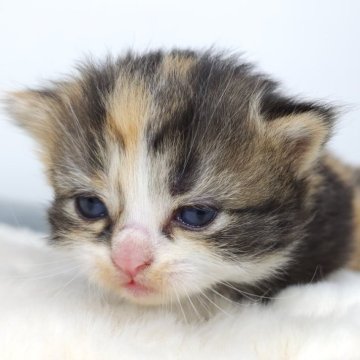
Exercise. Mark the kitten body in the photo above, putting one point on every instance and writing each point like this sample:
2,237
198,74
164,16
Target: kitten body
157,139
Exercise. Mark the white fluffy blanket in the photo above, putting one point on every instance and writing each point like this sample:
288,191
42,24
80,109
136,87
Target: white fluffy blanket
47,311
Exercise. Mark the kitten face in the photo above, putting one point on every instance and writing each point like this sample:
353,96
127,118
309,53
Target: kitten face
175,173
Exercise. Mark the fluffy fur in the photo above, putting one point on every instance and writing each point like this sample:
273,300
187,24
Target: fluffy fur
150,134
47,312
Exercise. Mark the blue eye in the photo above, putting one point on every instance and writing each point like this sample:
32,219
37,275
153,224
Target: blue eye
90,207
196,216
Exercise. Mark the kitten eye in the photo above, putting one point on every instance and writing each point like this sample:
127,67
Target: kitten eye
90,207
196,216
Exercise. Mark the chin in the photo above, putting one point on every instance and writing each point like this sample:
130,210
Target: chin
147,293
144,299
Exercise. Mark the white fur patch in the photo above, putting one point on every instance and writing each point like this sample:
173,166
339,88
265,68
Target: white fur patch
47,312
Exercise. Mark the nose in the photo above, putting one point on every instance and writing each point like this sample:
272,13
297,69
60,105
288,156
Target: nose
132,251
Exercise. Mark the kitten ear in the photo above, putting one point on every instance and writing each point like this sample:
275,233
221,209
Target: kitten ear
33,110
301,133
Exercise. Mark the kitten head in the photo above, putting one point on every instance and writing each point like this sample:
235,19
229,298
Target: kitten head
175,172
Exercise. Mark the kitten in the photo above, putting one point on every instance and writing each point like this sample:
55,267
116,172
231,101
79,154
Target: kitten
176,173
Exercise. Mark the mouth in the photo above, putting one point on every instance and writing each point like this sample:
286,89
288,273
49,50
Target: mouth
136,289
140,290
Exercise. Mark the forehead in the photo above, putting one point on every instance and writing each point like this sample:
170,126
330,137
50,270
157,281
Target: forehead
182,90
183,117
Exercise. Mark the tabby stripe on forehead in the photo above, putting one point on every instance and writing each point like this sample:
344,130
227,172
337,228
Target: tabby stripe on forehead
128,111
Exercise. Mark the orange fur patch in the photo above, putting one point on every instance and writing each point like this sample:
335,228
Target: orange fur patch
178,66
128,111
32,112
307,132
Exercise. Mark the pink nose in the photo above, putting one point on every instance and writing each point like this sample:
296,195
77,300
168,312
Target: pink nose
133,253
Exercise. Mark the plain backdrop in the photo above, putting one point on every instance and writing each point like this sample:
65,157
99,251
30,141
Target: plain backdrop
313,47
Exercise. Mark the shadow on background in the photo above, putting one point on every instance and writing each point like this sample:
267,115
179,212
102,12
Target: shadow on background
17,214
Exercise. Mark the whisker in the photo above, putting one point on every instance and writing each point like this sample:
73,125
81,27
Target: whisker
250,296
246,295
66,285
53,274
190,301
203,304
212,302
56,262
224,297
179,303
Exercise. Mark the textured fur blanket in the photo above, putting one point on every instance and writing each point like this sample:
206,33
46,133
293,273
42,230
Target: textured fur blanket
48,311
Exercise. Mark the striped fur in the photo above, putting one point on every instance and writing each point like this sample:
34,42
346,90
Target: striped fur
151,133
